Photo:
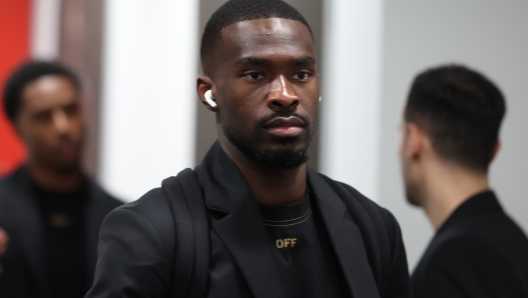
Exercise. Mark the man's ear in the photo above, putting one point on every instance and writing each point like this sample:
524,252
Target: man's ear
416,141
204,84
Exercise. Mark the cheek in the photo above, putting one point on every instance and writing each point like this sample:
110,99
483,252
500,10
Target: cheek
401,149
42,137
241,107
309,100
36,140
404,161
403,145
78,126
314,107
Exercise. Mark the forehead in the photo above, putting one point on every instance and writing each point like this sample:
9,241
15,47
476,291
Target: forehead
264,37
48,92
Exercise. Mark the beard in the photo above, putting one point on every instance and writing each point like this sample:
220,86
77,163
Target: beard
250,144
412,193
412,189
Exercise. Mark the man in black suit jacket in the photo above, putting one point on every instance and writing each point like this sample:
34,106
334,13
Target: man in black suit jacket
50,211
451,128
277,228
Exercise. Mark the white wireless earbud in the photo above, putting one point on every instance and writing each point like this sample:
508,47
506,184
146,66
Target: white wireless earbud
209,99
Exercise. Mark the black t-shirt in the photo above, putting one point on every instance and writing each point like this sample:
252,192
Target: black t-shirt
302,250
64,240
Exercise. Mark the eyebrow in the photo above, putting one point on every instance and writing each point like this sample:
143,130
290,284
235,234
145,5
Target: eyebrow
254,60
303,60
261,61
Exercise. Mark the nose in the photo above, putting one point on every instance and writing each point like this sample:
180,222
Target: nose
281,96
60,121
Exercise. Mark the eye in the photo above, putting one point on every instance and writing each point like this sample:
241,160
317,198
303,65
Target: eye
43,117
302,75
254,75
71,110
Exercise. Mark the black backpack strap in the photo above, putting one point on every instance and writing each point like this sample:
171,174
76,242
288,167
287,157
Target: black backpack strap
191,261
195,201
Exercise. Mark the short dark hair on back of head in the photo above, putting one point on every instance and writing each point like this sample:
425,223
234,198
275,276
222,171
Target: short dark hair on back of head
234,11
461,111
26,73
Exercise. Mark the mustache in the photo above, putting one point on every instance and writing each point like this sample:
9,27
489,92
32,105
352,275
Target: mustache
262,122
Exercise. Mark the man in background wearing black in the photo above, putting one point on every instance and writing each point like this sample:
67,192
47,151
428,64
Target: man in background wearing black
50,211
450,136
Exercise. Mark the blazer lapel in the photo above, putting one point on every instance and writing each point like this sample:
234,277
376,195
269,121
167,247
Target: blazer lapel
346,239
244,235
241,229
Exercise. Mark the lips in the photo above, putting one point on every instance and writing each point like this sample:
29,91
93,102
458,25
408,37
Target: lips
285,126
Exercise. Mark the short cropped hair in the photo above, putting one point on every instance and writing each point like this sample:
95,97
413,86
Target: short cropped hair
27,73
235,11
461,111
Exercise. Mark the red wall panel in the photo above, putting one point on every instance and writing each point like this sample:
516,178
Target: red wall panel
14,48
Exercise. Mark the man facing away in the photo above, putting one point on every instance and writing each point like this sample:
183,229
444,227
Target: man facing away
450,136
276,227
50,212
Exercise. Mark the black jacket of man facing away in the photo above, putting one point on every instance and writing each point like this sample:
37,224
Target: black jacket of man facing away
36,236
478,252
137,242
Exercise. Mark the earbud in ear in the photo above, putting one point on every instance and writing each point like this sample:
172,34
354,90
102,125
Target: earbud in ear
209,99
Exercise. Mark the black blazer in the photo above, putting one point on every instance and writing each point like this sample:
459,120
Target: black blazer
478,252
24,272
136,249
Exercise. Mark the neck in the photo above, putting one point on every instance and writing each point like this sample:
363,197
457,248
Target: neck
55,180
270,187
448,187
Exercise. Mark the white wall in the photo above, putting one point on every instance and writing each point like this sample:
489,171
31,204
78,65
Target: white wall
148,109
491,36
45,29
350,117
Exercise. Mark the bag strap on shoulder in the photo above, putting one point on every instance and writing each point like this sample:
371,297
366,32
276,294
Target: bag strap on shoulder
191,261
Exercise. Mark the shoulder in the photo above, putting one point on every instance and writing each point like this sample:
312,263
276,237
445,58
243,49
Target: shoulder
136,249
150,212
150,205
463,257
13,196
458,246
10,182
465,248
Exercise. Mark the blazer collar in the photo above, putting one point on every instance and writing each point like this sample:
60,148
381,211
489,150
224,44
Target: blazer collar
244,235
477,204
223,184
